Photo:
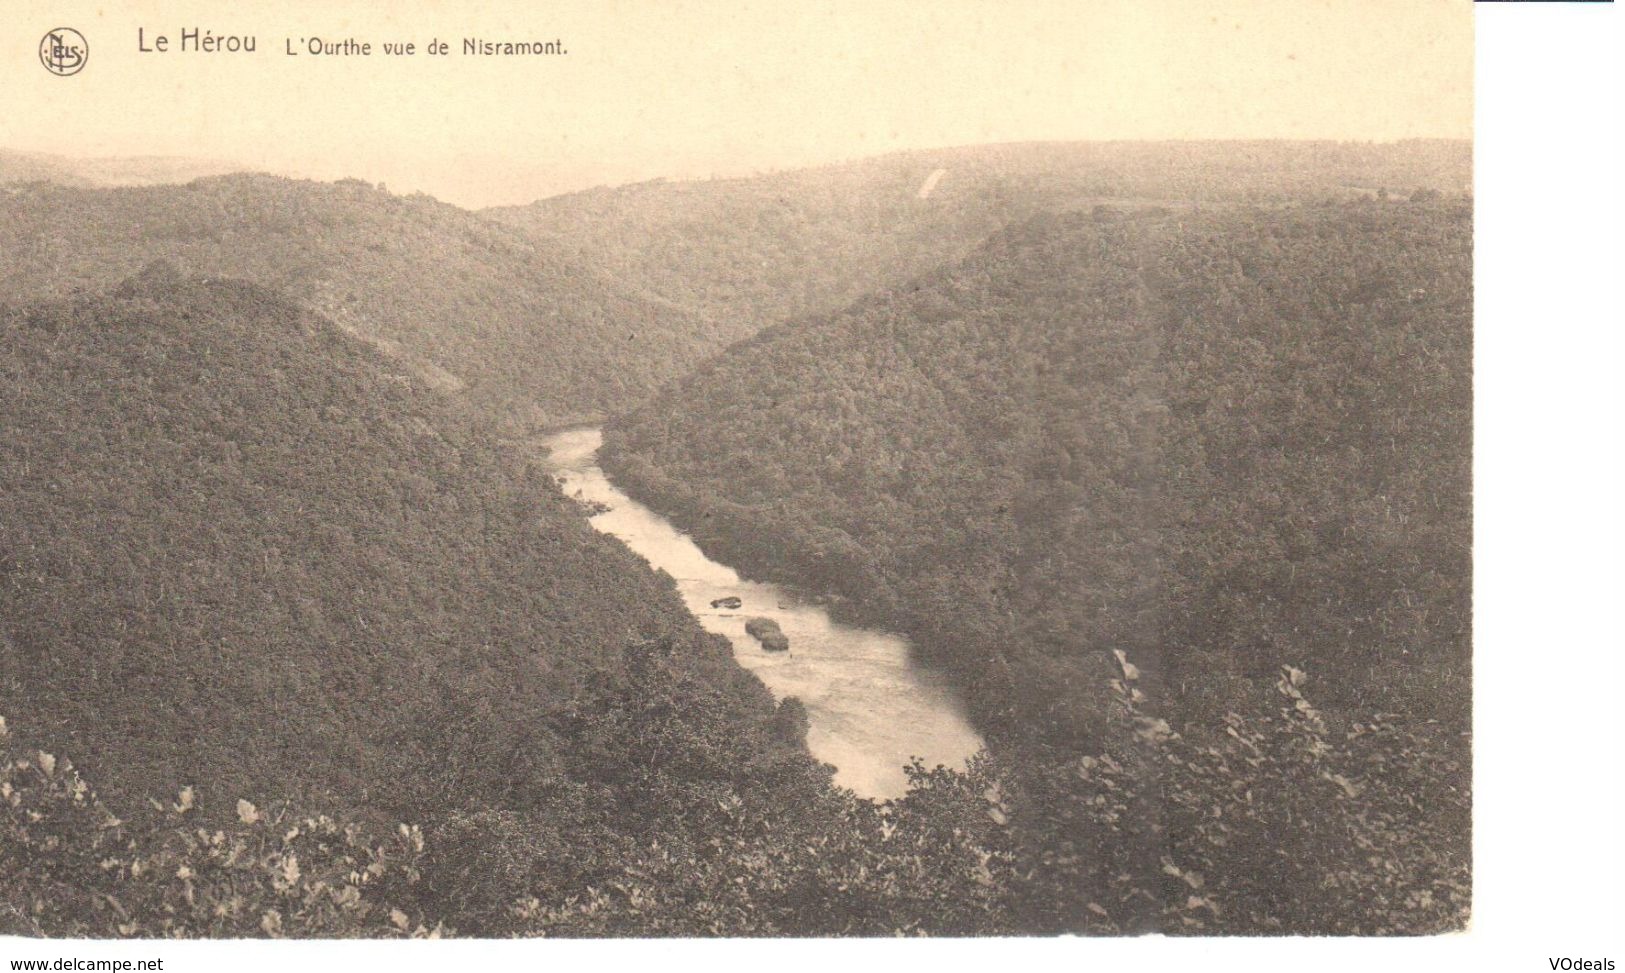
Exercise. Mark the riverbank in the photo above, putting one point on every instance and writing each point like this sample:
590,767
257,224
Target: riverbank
870,709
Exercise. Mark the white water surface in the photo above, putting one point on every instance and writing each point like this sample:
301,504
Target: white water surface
869,710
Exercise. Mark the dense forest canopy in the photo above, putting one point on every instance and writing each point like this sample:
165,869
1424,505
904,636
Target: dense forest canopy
1229,434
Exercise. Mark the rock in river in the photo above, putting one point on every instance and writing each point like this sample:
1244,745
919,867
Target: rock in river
767,632
729,602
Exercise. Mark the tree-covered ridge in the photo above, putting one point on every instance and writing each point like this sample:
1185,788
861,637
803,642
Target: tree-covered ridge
746,253
1220,443
237,548
468,302
1040,441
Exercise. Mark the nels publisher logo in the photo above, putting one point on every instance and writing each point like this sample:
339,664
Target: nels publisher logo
64,51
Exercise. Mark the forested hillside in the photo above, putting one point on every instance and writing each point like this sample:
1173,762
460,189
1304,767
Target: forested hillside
746,253
238,547
470,304
1219,443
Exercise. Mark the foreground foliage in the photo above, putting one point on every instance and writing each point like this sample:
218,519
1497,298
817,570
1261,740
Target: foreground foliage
1266,824
72,868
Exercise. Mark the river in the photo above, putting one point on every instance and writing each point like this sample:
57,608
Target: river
868,709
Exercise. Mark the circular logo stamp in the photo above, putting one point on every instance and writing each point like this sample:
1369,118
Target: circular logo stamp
64,51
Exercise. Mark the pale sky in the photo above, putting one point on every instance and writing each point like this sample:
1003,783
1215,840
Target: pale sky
686,89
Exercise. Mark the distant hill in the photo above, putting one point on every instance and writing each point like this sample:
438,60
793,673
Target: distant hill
240,550
467,303
582,305
26,167
746,253
107,171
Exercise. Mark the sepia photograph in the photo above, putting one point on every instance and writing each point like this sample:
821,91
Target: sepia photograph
734,471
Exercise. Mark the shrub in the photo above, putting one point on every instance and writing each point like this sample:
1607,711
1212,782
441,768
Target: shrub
69,867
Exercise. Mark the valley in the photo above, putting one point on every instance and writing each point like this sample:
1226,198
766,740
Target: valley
1019,539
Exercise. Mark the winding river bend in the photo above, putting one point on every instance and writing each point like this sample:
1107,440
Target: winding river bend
868,709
